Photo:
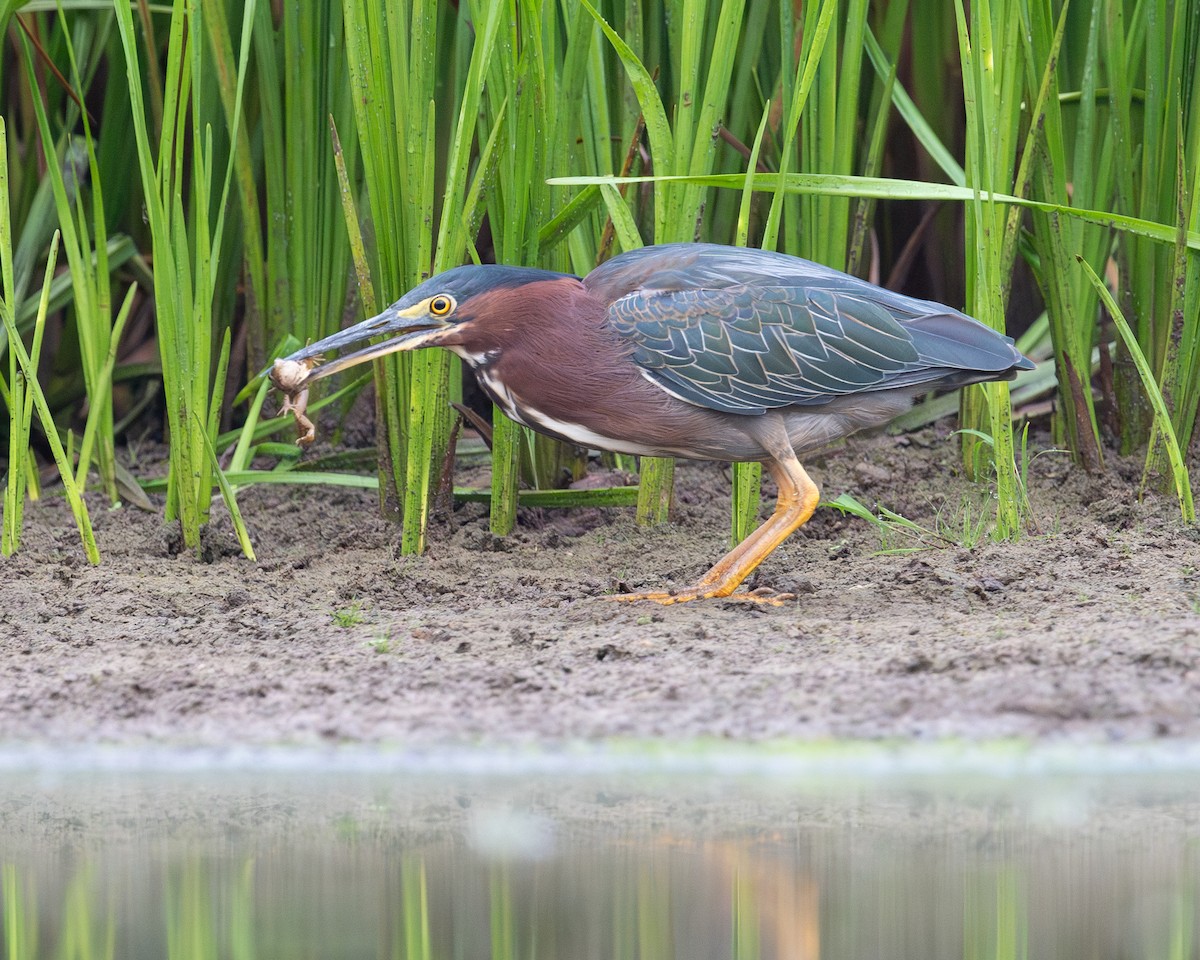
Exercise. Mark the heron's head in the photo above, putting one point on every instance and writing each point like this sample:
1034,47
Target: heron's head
439,312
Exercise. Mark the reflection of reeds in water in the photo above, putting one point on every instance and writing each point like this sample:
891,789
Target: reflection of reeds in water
843,894
20,916
777,906
995,921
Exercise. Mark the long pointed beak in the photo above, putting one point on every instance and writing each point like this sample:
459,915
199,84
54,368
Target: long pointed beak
407,332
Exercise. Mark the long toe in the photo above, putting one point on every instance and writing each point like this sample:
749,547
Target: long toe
708,592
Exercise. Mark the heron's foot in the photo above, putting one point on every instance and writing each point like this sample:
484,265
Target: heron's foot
703,591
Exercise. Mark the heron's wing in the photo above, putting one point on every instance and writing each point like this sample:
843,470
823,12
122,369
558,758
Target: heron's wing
748,347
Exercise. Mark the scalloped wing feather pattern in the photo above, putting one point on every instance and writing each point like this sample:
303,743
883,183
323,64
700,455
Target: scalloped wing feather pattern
758,330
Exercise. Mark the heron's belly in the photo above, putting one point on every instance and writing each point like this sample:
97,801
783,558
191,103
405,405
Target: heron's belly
631,418
639,418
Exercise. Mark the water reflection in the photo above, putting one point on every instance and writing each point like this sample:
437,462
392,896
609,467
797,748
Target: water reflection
244,865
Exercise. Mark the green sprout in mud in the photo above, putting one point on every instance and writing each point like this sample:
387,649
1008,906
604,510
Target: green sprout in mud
966,527
349,616
382,643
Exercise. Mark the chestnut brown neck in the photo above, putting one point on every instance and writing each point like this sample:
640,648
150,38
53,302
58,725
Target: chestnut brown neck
545,321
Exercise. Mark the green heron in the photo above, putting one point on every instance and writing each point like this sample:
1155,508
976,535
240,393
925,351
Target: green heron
686,350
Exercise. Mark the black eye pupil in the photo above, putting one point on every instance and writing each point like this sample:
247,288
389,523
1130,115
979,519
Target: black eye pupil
441,305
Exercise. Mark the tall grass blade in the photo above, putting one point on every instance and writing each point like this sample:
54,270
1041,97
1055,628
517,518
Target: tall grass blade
938,152
22,469
35,395
796,97
1162,417
1150,57
230,498
102,386
187,248
890,188
394,55
992,66
1071,302
86,249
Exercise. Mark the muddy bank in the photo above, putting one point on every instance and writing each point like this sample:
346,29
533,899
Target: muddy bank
1088,630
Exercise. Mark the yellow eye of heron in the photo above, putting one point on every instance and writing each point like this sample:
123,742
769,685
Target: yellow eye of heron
440,305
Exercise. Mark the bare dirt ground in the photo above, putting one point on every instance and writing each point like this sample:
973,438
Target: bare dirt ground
1088,630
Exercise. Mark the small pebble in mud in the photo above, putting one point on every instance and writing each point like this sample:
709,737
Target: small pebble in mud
236,598
870,475
839,551
793,585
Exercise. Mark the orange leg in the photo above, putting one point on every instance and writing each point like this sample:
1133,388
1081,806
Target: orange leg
798,497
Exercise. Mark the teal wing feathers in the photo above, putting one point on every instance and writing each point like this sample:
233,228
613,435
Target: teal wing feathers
745,331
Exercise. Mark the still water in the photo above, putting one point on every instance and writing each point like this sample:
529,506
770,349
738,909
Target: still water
614,854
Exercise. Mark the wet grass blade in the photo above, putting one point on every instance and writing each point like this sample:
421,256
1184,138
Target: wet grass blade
22,469
656,477
574,213
1149,55
230,498
38,398
102,386
358,252
393,55
796,97
622,217
187,248
85,246
1162,417
701,81
1071,302
658,129
992,66
889,188
14,390
258,293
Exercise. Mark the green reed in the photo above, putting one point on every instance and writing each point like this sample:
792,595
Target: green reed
1073,164
187,240
792,128
416,141
296,268
85,241
535,101
1163,426
744,911
996,918
1154,120
23,393
747,477
991,56
20,915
